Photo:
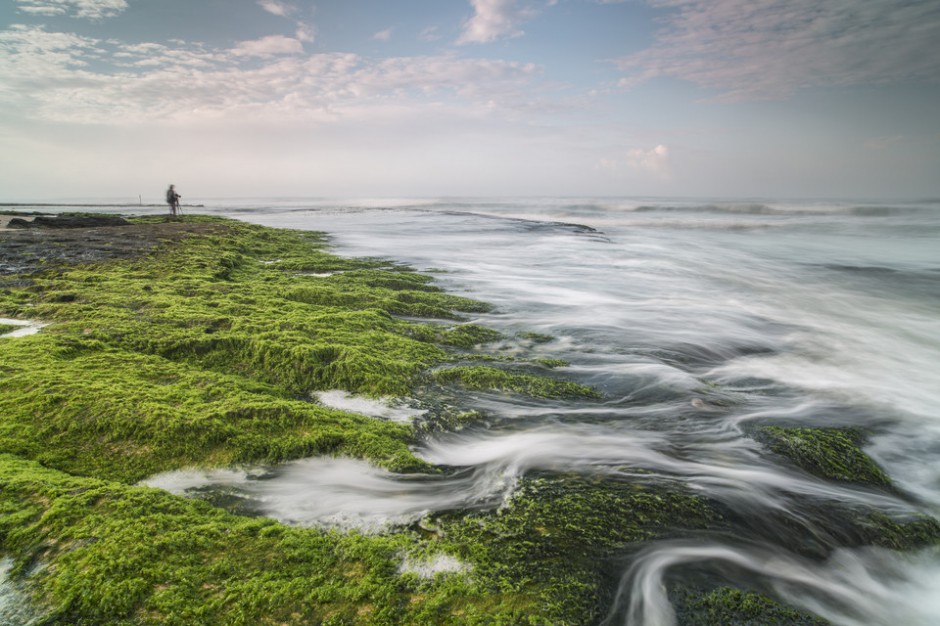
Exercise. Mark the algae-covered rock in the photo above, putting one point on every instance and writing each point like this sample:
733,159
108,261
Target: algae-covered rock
727,606
485,378
833,453
68,220
562,536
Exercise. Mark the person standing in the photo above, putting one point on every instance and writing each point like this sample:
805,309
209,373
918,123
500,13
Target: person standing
173,199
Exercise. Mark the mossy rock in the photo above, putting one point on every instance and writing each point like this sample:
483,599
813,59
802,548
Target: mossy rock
915,532
200,350
485,378
833,453
555,534
536,337
727,606
550,363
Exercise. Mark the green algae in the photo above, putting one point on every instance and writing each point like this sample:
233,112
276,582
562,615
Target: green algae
232,348
91,410
833,453
551,363
901,534
221,309
735,607
111,553
536,337
555,536
486,378
203,352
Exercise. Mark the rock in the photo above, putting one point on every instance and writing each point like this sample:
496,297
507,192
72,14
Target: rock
68,221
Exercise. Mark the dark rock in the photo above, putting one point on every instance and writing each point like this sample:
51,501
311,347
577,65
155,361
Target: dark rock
68,221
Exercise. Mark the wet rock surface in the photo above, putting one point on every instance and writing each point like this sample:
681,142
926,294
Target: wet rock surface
31,244
67,221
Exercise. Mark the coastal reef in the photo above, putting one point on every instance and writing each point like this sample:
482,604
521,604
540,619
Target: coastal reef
202,343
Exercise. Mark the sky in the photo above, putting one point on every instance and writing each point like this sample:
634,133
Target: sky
432,98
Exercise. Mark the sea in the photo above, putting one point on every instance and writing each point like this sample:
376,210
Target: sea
699,321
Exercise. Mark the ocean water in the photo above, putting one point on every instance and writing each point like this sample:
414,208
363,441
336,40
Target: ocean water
699,321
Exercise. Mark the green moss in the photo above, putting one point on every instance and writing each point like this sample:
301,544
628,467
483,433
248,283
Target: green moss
551,363
832,453
556,532
448,421
484,378
906,534
195,355
109,553
98,411
726,606
203,352
468,336
7,328
536,337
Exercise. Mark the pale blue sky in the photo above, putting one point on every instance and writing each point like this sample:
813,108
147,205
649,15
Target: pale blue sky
731,98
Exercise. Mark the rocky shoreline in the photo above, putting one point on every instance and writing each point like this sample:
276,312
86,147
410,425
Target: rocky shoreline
197,343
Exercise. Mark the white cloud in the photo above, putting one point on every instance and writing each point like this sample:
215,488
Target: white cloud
766,49
494,19
48,76
383,35
654,161
305,32
87,9
270,46
276,7
430,34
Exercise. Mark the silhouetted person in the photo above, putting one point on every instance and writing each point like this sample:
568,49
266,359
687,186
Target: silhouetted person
173,199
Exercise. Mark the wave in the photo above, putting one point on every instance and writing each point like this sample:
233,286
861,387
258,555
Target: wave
861,587
787,209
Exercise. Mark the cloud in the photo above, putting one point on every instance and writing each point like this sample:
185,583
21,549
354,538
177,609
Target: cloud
654,161
430,33
305,32
383,35
62,77
269,46
766,49
494,19
87,9
276,7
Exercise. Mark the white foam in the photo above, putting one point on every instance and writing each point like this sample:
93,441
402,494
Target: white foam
26,327
384,408
862,587
435,566
191,479
338,492
15,607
